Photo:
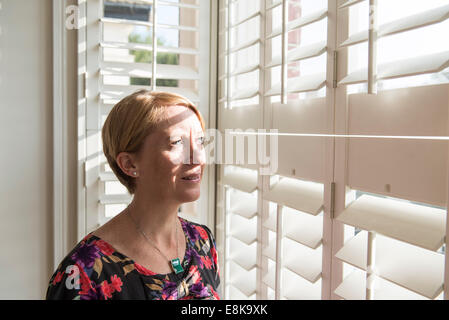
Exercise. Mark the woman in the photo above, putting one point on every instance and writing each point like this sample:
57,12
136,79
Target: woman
153,142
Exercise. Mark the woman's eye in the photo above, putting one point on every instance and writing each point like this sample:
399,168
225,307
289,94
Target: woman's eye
200,140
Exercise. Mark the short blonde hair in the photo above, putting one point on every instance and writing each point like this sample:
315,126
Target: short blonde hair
131,120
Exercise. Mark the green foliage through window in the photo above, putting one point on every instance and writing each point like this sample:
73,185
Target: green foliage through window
143,56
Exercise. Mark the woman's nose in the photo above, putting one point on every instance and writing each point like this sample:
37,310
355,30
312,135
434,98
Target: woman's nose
197,153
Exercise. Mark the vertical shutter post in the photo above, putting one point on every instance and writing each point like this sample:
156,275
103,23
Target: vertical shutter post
154,62
372,48
284,67
228,57
370,265
279,235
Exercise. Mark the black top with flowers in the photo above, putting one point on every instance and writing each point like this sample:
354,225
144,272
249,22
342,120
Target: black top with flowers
94,270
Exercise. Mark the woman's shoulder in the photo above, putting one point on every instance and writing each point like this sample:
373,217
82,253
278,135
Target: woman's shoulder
204,246
89,267
201,238
196,230
88,251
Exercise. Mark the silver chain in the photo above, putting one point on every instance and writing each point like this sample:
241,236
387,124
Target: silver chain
149,241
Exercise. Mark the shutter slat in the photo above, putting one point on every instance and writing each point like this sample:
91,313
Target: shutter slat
179,50
244,280
295,287
303,261
432,63
274,5
242,254
244,229
300,195
111,94
144,70
236,294
133,1
243,20
350,3
245,205
115,199
245,45
311,83
146,24
356,39
126,22
411,267
178,4
246,19
245,69
107,177
301,84
178,27
401,25
428,64
245,94
299,23
303,228
354,77
301,53
148,47
418,225
353,287
244,180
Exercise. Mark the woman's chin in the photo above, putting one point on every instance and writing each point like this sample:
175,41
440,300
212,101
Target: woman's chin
190,196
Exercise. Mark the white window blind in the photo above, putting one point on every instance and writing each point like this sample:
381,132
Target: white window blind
340,218
132,45
272,226
240,227
395,198
405,45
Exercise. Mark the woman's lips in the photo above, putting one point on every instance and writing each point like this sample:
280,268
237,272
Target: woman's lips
192,178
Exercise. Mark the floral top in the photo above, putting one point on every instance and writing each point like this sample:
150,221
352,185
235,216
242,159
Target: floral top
94,270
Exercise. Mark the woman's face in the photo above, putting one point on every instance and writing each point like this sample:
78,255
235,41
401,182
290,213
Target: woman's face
171,161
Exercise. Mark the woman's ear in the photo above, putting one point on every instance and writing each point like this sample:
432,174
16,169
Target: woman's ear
128,164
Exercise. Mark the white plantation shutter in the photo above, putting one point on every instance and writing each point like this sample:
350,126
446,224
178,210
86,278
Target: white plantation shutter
340,218
274,223
295,248
410,267
407,247
239,82
395,190
240,230
405,42
299,77
418,225
116,33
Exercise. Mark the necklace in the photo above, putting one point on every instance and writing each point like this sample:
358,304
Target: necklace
174,263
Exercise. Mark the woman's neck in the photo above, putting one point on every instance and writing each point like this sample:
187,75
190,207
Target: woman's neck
157,219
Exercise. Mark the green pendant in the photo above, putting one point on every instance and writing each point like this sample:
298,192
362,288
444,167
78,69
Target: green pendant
176,266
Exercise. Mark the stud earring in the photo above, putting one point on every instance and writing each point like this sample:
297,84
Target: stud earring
135,173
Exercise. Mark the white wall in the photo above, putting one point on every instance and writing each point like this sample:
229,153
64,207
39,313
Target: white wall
26,148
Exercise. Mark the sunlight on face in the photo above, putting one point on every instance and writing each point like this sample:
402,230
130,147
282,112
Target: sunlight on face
172,159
